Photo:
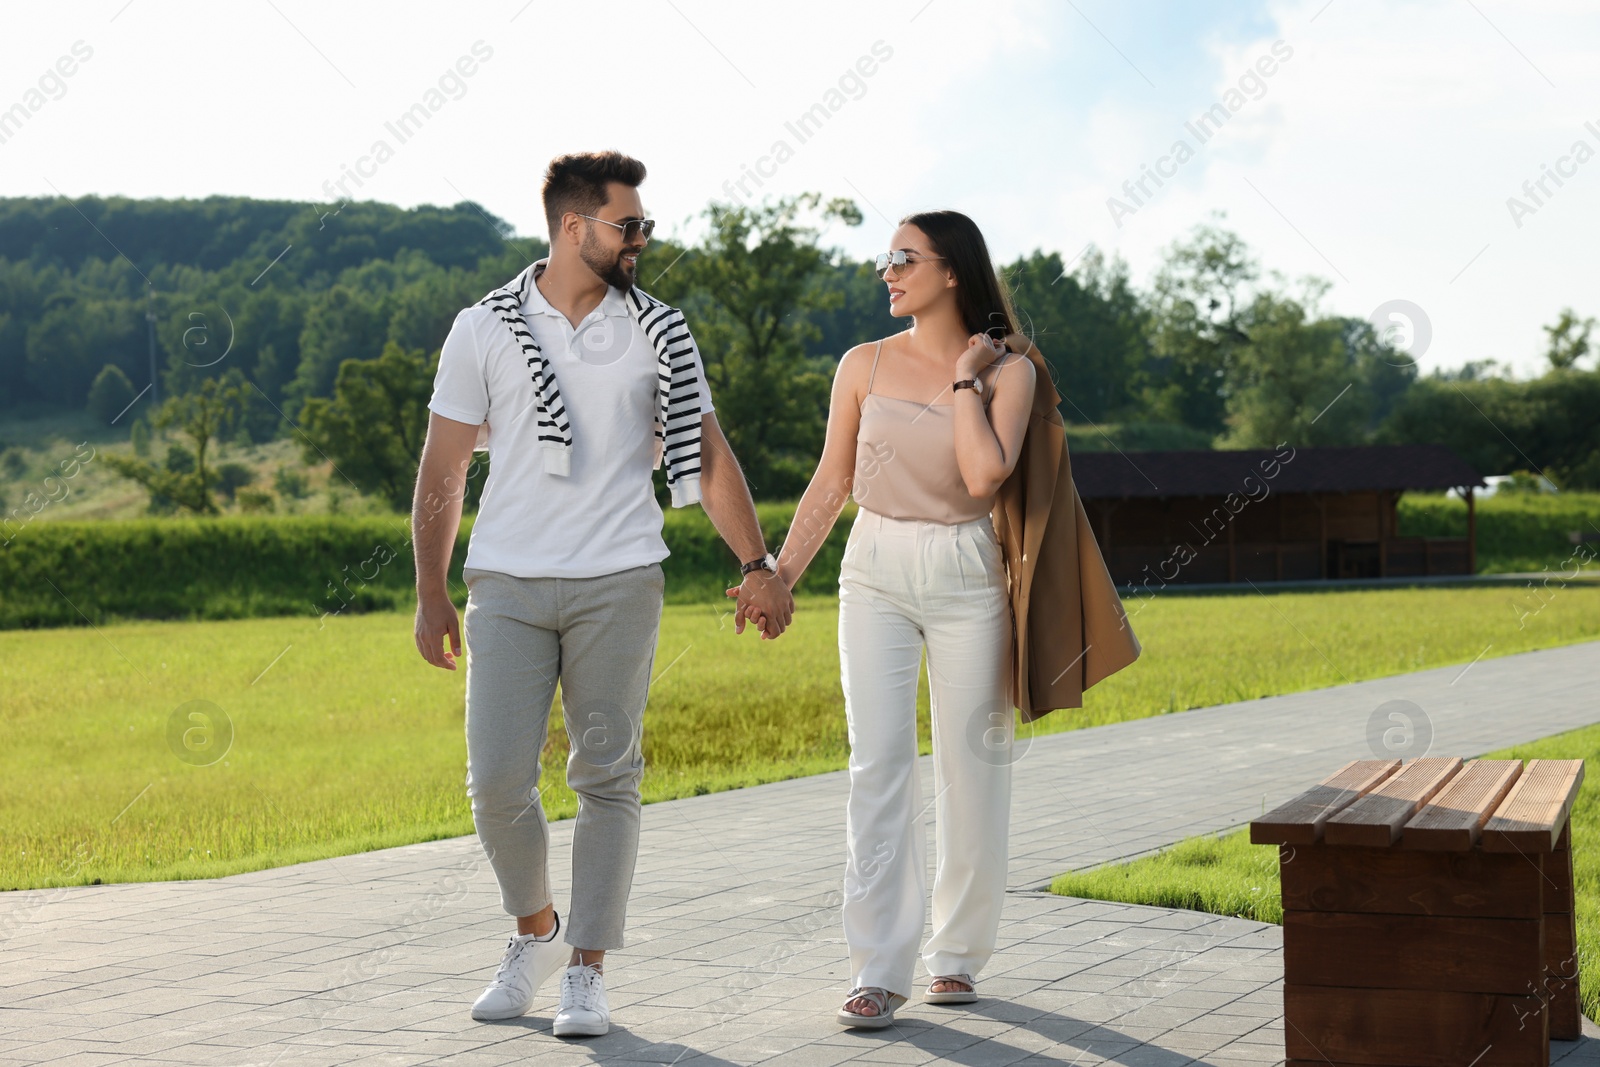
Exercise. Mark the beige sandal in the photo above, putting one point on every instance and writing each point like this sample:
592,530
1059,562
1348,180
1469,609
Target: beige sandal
968,995
881,999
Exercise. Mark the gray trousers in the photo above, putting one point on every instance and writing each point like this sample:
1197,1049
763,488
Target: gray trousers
597,636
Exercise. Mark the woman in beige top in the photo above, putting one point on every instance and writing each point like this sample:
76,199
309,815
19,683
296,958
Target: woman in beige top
923,428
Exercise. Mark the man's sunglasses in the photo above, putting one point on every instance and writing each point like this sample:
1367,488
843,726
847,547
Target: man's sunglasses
898,260
630,229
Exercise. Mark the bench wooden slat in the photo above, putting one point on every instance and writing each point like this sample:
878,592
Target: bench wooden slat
1452,820
1395,881
1375,819
1419,1027
1531,817
1300,821
1442,952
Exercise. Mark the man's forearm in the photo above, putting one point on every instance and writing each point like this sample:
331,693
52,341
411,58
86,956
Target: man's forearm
726,500
435,520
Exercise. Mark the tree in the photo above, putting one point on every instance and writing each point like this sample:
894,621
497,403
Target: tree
232,477
24,289
340,325
1090,325
1385,373
847,304
202,416
267,326
373,427
743,290
110,394
1197,328
75,333
1296,381
1499,425
1569,340
186,480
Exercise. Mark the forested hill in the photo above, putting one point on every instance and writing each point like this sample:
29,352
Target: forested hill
228,235
288,289
339,310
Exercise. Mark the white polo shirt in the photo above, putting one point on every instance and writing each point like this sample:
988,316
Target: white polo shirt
600,518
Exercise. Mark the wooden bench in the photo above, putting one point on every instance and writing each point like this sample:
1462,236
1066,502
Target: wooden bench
1427,913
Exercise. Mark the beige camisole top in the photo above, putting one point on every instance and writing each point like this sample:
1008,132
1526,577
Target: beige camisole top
906,460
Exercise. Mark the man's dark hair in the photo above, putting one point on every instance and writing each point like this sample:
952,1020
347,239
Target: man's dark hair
577,182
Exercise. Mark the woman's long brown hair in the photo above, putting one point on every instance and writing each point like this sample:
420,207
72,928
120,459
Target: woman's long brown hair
981,296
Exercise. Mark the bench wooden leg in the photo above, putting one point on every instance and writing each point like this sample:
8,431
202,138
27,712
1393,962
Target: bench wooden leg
1561,942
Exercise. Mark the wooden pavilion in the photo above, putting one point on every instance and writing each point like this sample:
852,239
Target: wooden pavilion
1282,514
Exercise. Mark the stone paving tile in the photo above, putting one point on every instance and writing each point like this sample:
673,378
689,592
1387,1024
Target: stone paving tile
734,949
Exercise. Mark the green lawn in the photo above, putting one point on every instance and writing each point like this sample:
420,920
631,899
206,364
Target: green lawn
346,741
1227,875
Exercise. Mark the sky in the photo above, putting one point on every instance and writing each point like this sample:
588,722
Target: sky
1382,145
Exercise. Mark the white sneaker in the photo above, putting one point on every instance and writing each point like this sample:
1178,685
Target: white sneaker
584,1011
527,963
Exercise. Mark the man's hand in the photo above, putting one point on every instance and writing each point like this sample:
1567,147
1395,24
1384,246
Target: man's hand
436,617
765,600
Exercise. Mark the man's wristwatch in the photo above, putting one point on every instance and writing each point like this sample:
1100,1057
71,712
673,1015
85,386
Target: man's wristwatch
766,563
969,383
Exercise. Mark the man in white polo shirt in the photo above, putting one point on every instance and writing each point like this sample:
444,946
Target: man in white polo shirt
580,385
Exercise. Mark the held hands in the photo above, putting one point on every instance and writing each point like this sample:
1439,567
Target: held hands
765,600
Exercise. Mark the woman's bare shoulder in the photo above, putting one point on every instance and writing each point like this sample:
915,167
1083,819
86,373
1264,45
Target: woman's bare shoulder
856,364
1013,369
865,350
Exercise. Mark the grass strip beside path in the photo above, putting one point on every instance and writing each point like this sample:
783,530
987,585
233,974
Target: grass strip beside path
344,740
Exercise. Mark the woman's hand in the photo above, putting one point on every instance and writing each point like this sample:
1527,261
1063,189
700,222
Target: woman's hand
766,594
982,350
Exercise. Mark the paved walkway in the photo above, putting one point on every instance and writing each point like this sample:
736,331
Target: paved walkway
735,953
1542,580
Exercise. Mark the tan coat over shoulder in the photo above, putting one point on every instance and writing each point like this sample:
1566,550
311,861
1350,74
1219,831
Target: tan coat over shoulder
1069,628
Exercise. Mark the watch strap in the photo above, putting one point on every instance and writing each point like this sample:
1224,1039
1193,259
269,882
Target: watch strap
766,563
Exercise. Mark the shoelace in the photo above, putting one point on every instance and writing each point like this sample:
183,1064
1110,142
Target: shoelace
578,990
514,951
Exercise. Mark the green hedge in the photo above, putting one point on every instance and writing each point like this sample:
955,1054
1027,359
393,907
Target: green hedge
1516,531
72,573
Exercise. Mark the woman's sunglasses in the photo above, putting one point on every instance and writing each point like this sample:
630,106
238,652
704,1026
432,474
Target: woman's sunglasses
630,229
898,260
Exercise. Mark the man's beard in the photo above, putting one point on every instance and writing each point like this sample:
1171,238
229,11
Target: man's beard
608,266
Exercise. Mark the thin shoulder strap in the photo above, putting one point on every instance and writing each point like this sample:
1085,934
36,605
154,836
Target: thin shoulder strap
988,393
874,373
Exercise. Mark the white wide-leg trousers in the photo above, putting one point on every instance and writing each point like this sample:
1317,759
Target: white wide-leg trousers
906,585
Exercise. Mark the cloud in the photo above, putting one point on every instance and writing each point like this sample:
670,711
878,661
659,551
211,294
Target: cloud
1381,159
